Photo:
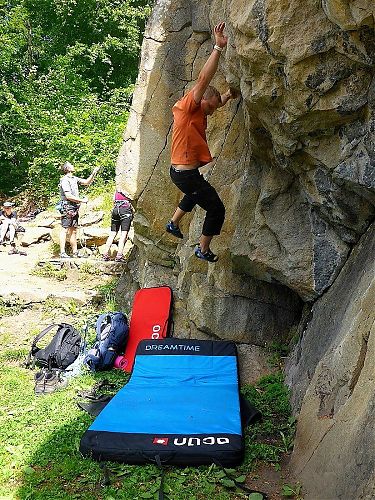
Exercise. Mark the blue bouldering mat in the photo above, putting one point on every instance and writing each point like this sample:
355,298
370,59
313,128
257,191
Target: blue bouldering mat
181,403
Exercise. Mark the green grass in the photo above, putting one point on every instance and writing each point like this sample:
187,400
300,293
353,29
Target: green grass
273,436
86,269
10,306
40,438
107,297
48,270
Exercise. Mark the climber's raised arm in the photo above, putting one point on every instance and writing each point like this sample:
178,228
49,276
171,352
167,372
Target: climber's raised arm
209,69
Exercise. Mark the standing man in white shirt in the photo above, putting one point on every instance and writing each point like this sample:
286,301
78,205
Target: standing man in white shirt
71,202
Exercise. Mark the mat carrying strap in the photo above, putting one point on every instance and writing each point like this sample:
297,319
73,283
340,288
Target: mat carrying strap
30,361
106,479
161,487
93,401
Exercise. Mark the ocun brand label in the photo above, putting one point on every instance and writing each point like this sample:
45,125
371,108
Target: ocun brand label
194,441
155,332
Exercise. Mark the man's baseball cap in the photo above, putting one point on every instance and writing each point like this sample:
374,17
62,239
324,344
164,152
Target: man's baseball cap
7,204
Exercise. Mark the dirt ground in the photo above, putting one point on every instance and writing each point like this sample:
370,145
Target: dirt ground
16,277
270,481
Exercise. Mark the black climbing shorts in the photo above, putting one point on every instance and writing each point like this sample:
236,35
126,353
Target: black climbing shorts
70,217
199,192
121,217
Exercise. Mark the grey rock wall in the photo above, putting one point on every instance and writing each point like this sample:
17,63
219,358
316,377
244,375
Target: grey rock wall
294,157
332,374
225,300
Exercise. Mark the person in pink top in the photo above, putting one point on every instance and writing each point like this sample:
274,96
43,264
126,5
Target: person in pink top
121,218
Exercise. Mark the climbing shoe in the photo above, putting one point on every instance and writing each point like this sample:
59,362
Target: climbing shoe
120,258
64,255
174,230
53,381
209,256
39,383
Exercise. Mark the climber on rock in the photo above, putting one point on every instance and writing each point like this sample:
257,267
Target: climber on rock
190,151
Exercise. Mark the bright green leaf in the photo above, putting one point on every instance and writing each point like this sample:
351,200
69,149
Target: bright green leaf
241,479
228,483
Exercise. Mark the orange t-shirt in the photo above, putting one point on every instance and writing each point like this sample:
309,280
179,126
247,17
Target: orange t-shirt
189,142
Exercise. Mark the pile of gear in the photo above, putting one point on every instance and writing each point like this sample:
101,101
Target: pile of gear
67,354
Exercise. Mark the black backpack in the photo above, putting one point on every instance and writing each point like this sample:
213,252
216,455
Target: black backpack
60,352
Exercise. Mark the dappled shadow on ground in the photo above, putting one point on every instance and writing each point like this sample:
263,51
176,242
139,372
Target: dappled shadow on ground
56,469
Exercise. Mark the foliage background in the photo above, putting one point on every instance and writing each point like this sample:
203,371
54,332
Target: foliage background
67,70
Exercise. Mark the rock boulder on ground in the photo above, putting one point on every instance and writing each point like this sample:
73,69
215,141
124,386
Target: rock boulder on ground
34,235
91,218
46,222
93,236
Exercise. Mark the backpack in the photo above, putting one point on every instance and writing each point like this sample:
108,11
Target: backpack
112,333
60,352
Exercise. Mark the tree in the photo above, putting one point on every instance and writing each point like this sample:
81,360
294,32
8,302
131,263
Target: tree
67,72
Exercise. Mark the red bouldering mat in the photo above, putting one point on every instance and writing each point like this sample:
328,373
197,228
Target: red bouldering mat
151,318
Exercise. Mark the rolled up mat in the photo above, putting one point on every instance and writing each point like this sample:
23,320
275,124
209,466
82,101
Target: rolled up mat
120,362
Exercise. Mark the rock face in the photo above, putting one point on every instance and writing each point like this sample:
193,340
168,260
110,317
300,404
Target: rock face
332,375
294,157
226,300
294,165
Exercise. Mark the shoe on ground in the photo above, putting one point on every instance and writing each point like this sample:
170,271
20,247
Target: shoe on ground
39,383
64,255
22,252
120,258
174,230
106,257
208,256
13,251
76,255
53,381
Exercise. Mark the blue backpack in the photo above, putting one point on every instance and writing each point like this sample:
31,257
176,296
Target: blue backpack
112,333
